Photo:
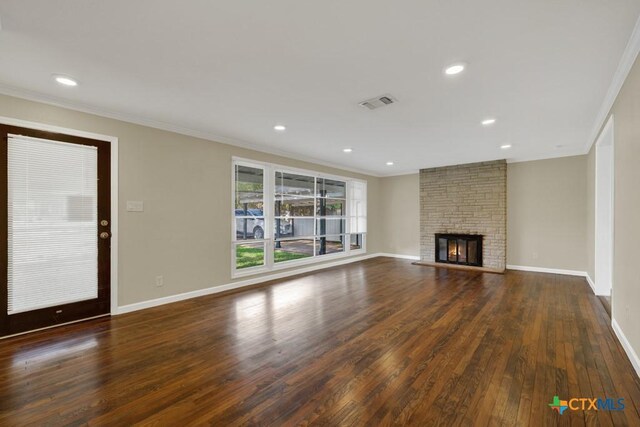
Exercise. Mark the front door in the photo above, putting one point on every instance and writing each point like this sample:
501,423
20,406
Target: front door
55,229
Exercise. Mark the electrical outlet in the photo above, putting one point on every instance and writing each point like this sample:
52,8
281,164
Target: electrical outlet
159,281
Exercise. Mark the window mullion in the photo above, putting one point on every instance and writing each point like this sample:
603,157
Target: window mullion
349,214
269,201
315,214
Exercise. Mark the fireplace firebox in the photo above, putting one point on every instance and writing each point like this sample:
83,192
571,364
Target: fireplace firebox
463,249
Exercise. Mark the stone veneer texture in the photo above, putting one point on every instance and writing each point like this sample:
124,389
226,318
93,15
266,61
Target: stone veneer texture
465,199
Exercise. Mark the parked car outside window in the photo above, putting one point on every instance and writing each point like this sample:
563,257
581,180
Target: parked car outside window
254,219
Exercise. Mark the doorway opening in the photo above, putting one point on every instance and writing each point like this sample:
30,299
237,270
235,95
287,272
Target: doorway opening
604,211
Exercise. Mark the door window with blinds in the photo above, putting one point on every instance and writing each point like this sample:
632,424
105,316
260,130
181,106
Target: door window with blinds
55,245
52,227
302,217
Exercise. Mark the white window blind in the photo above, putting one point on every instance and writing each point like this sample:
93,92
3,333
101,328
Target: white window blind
52,212
358,207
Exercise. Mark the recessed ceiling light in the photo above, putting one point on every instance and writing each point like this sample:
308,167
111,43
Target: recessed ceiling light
280,128
389,163
347,150
454,69
505,146
488,122
65,80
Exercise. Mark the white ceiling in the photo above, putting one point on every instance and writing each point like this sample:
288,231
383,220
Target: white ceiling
233,69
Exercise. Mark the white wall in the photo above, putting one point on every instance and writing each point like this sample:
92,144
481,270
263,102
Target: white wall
400,210
546,213
625,299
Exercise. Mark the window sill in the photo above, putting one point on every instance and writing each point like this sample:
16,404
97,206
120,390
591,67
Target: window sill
296,263
251,271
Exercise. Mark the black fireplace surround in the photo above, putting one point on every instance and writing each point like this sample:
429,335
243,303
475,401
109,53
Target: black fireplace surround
462,249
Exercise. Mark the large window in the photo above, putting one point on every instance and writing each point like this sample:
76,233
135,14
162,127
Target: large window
284,217
249,220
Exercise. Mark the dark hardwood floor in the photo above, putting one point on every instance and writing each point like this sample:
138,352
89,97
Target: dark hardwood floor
606,303
372,343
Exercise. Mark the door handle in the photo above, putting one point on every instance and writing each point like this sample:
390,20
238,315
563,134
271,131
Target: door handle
105,235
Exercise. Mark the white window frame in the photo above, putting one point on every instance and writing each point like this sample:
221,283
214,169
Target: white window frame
269,214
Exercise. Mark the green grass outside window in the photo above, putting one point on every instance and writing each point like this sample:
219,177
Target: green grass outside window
253,257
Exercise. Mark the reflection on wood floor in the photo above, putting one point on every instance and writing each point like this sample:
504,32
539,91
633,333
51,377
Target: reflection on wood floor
371,343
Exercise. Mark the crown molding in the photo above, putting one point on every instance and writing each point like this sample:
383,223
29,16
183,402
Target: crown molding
624,67
550,156
157,124
401,173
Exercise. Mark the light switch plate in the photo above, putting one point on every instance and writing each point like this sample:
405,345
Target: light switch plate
135,206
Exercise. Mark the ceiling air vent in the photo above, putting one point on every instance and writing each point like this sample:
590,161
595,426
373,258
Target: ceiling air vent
378,101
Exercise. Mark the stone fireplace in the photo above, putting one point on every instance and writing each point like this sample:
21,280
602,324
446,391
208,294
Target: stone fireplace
468,200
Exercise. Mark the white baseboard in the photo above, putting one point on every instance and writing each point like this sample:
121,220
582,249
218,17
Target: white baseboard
591,283
248,282
557,271
633,357
548,270
411,257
